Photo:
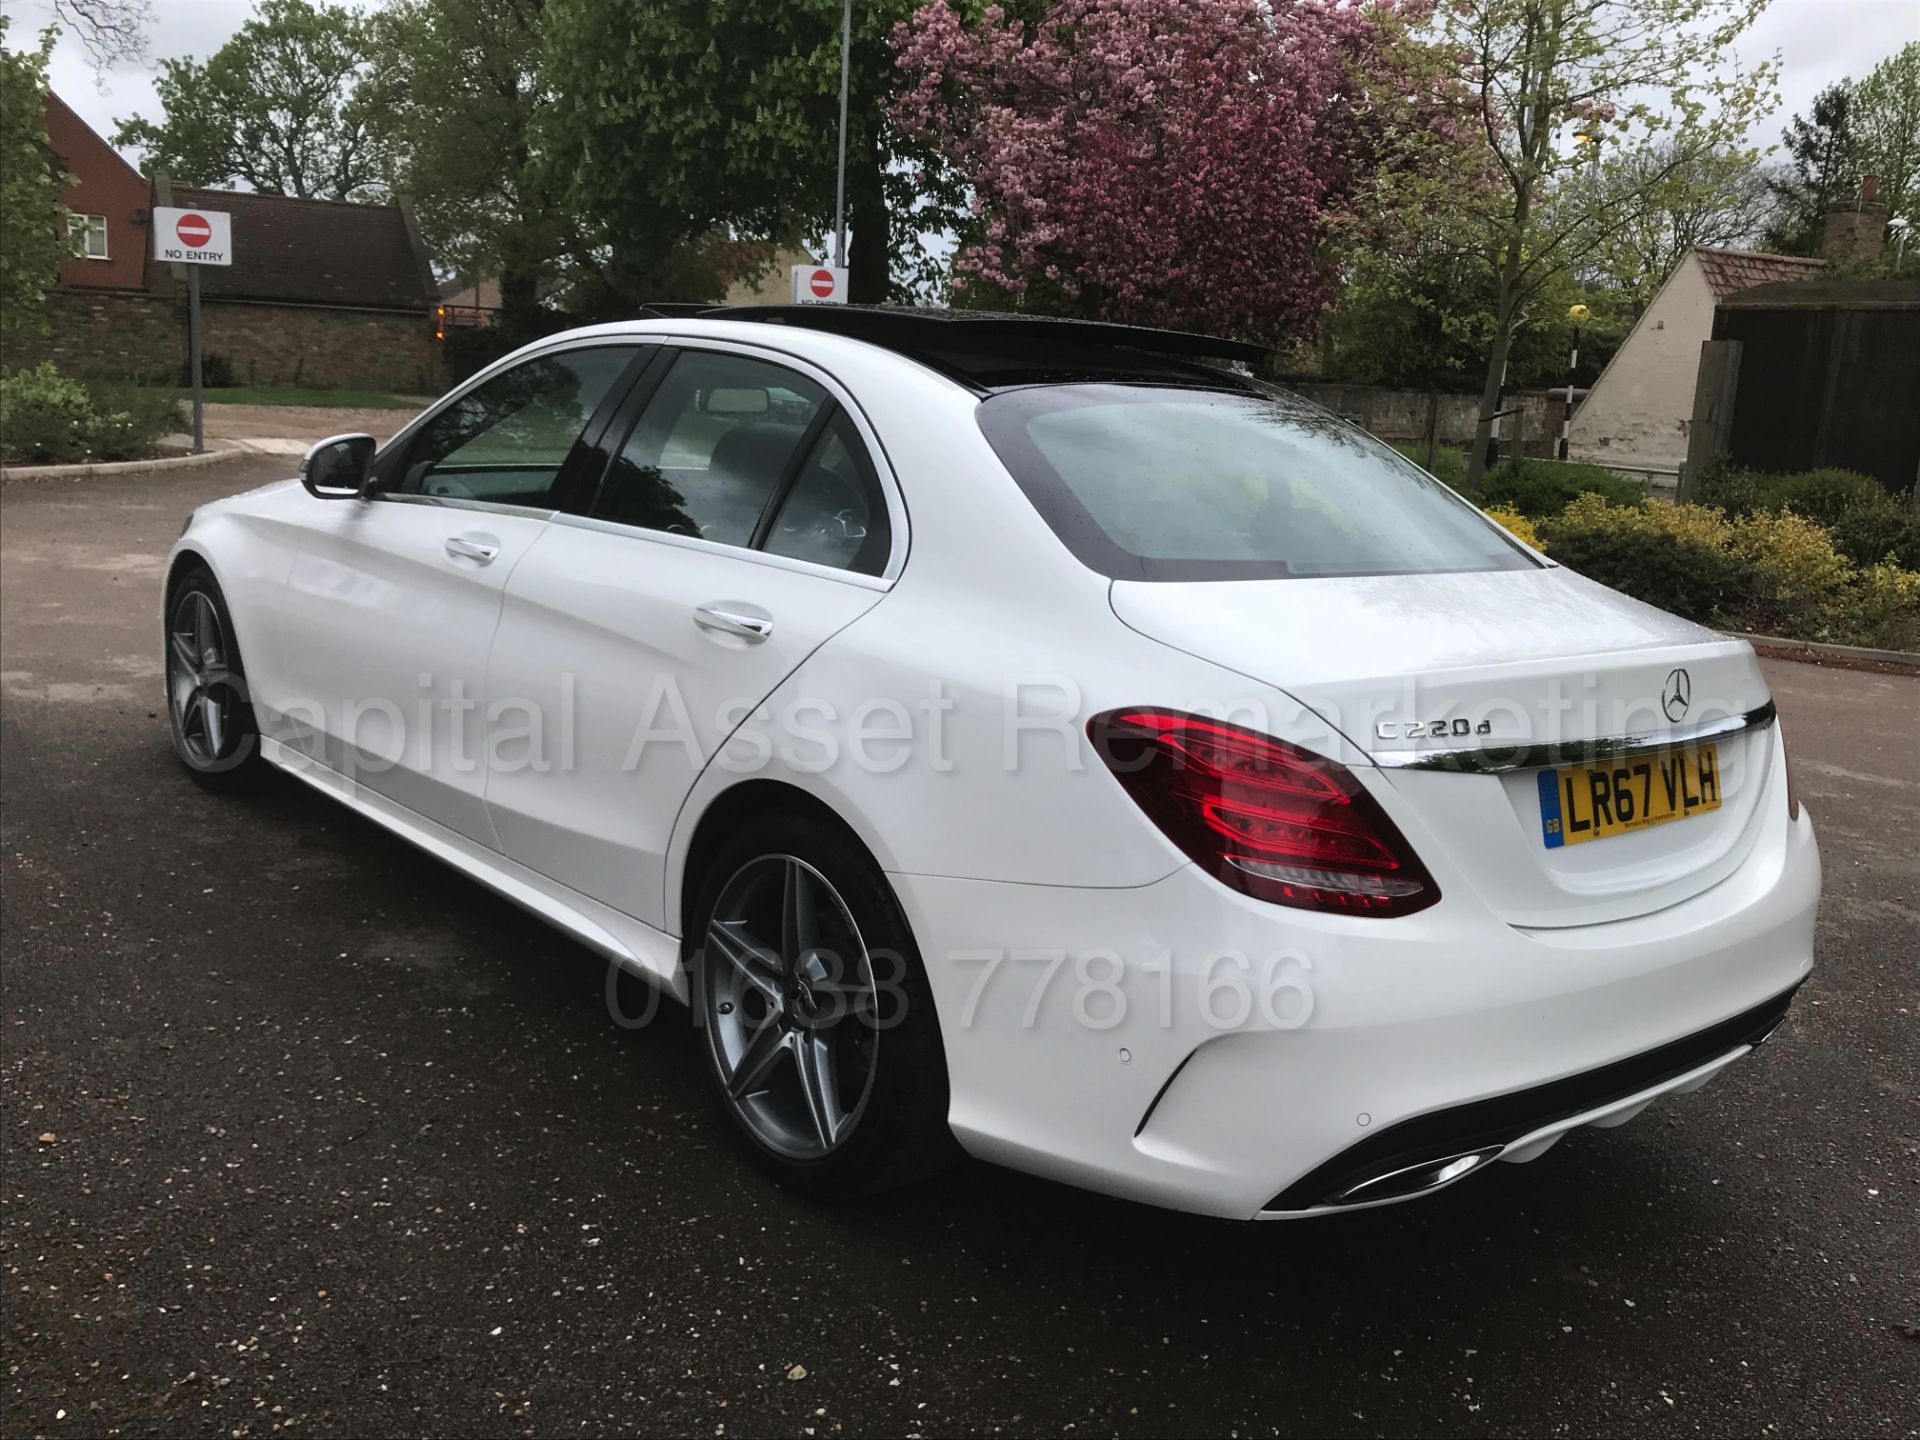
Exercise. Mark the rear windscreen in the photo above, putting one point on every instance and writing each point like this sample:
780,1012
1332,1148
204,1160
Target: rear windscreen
1147,482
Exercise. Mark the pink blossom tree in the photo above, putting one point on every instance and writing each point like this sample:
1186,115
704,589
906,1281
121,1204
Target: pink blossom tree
1162,162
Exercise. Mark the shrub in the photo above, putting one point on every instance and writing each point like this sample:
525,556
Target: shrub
1797,584
1516,525
46,419
1674,556
1826,496
128,419
1869,535
216,371
1730,487
1888,610
1540,489
1449,461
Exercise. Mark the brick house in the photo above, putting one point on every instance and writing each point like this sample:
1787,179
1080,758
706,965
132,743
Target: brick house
320,293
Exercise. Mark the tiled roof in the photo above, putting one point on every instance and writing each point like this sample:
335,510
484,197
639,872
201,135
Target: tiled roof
1729,271
316,252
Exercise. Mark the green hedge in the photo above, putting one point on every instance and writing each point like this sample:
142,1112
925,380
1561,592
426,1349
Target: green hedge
46,419
1540,489
1867,523
1769,572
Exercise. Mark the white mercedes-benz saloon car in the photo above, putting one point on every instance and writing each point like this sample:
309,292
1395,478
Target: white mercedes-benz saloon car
1027,738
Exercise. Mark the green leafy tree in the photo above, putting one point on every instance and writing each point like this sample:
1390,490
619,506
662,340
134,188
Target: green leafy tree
1510,181
1424,321
32,219
457,85
282,108
674,121
1822,170
1886,124
1716,197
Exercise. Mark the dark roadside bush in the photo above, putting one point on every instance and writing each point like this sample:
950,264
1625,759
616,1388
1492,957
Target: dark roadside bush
216,371
1822,496
1869,535
1541,489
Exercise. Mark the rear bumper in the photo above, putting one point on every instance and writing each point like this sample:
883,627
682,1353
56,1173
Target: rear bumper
1099,1036
1428,1152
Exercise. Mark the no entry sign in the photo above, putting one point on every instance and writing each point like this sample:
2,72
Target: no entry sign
819,285
192,237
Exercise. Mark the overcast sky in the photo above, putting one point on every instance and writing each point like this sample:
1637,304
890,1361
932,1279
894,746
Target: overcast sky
1818,41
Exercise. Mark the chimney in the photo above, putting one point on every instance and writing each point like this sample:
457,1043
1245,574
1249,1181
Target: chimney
1855,236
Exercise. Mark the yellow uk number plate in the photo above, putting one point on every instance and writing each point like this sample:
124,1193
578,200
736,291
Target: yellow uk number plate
1579,803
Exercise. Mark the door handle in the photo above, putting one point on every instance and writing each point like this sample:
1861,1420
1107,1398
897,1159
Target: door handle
749,624
478,551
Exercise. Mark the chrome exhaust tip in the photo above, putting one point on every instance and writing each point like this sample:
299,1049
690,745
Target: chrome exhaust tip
1410,1180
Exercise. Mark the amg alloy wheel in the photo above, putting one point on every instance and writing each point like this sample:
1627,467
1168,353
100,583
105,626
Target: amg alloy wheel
790,1007
819,1038
207,706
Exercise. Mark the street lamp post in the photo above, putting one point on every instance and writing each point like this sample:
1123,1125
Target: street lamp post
1578,314
840,184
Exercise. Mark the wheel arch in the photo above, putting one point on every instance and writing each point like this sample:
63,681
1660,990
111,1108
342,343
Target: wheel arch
723,814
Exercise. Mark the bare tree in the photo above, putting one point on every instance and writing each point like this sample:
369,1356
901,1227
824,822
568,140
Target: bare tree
111,30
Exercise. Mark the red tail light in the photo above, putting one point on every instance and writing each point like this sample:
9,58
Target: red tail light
1270,819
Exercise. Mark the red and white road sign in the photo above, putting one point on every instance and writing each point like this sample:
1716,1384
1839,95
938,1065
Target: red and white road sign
192,237
819,285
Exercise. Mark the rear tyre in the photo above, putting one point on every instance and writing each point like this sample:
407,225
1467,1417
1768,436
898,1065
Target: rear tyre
208,706
818,1034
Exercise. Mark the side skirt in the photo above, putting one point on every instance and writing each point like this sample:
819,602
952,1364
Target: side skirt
651,954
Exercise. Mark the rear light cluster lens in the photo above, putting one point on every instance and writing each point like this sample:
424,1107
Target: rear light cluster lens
1268,818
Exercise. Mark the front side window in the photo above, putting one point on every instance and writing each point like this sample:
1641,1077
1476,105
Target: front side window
505,441
1145,482
713,444
87,236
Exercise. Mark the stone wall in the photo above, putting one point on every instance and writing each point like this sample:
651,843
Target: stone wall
134,333
1404,415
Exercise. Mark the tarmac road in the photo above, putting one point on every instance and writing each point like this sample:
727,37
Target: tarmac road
304,1132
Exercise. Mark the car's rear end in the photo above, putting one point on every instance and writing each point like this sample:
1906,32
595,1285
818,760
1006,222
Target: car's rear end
1557,872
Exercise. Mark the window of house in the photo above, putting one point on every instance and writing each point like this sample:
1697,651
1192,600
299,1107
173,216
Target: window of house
87,234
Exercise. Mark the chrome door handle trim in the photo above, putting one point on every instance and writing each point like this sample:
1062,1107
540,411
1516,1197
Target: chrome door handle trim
744,624
464,549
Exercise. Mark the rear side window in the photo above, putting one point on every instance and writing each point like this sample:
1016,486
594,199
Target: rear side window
834,514
710,448
1160,483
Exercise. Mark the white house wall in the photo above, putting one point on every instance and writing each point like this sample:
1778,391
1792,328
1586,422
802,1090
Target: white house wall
1637,413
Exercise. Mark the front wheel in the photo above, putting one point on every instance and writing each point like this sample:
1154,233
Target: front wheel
208,708
819,1037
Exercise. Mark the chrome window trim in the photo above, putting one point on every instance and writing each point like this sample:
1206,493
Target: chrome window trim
463,502
1500,759
897,517
714,547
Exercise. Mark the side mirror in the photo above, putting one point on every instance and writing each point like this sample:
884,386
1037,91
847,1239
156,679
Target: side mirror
339,468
